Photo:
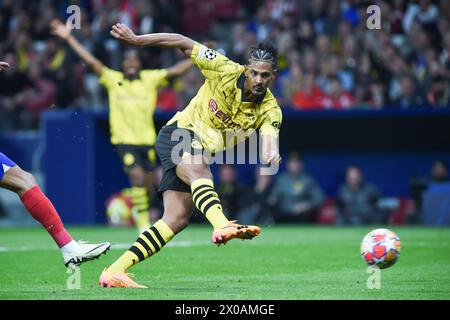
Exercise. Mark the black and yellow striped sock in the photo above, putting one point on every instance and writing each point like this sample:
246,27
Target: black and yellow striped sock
141,202
147,244
207,201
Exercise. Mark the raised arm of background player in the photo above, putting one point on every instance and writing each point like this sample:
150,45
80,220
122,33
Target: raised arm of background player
62,31
270,151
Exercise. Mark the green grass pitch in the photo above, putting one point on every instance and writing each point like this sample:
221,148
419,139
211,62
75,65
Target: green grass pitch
282,263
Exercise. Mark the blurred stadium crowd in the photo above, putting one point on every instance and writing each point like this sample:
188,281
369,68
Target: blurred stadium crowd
328,58
295,196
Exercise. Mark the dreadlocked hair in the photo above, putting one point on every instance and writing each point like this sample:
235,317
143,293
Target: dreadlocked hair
265,52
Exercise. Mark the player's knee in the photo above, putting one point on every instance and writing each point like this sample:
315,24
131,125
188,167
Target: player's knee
26,181
176,221
198,171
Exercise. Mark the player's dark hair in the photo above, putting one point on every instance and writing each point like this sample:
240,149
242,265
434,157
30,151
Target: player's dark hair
264,51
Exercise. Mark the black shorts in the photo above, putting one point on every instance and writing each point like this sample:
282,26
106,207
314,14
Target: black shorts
137,156
185,141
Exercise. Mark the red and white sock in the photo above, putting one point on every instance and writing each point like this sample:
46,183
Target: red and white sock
41,209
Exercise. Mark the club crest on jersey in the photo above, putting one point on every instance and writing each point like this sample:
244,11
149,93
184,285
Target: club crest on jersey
210,54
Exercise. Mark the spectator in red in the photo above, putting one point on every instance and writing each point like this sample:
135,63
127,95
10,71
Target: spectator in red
336,97
167,100
310,96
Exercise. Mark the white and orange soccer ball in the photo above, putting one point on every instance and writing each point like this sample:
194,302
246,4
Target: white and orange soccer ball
381,248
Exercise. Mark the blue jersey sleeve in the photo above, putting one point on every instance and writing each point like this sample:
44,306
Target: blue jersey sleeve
5,165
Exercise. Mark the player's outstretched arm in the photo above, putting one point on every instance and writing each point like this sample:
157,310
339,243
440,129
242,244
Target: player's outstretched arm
62,31
165,40
3,65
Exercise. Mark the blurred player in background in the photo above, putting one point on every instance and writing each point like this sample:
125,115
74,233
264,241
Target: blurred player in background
13,178
234,98
132,101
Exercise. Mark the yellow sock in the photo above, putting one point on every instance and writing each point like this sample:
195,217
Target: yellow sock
207,201
147,244
141,203
142,220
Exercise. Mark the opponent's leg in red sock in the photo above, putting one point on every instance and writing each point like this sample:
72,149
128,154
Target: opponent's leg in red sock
37,204
41,209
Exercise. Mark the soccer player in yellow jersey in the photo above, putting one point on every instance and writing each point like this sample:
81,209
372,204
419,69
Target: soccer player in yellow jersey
233,97
132,100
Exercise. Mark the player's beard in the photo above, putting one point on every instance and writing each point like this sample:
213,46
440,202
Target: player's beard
258,92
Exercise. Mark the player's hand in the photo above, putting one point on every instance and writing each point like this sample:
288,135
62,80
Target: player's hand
59,29
123,32
3,65
274,158
270,151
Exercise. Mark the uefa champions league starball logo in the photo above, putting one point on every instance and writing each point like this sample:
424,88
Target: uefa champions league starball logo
210,54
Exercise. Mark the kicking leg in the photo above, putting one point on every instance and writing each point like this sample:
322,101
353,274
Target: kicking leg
42,210
194,171
177,211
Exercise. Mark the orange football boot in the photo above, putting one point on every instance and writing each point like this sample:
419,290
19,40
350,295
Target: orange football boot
233,230
118,280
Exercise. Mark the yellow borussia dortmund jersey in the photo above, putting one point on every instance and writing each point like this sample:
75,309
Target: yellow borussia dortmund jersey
132,104
218,106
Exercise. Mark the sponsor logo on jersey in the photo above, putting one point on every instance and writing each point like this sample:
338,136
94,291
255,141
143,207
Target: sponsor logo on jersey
213,105
214,108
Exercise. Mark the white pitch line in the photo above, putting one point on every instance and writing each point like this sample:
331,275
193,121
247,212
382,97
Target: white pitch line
115,246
